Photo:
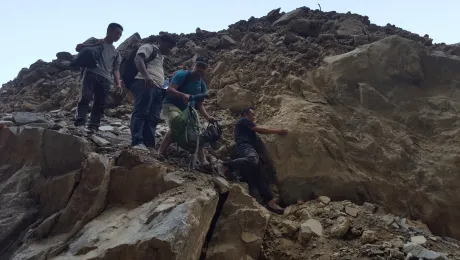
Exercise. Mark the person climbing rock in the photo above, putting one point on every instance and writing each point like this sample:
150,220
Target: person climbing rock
148,92
248,160
183,85
97,81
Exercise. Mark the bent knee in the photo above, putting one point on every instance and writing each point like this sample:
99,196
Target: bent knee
253,160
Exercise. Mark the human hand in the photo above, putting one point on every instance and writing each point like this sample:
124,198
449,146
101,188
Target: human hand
283,132
186,98
149,83
118,89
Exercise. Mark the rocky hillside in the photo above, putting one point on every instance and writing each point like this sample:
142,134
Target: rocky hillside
368,170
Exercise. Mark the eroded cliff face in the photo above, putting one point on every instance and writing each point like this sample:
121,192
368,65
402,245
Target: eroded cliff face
372,117
384,131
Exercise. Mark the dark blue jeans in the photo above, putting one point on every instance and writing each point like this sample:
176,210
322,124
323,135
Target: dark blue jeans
146,113
97,86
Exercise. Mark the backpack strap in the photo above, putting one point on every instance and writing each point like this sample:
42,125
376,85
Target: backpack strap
188,76
153,55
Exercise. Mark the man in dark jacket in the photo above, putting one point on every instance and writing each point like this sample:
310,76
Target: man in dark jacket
248,157
97,81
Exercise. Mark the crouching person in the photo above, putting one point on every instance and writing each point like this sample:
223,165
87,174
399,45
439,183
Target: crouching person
248,161
183,85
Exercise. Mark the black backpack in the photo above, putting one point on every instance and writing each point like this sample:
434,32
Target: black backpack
211,135
88,57
128,69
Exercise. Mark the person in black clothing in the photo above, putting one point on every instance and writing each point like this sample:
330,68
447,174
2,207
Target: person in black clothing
248,157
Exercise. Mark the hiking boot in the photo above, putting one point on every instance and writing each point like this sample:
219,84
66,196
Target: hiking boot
275,208
141,147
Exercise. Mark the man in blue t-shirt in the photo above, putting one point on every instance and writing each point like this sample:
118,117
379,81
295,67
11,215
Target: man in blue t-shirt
248,157
178,95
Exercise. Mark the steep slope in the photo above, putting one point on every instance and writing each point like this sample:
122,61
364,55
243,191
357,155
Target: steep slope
372,117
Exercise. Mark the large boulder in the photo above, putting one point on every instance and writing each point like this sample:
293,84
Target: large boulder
287,17
385,101
305,27
171,227
352,26
235,98
240,228
86,199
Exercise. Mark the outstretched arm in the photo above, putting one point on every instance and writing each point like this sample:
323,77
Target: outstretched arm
203,112
268,131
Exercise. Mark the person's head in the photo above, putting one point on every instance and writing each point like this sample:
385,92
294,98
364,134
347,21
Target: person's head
166,43
201,65
248,112
114,32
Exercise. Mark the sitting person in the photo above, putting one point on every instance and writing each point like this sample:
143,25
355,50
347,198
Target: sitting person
248,158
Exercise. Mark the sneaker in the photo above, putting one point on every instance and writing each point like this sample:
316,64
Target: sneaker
82,129
140,147
275,208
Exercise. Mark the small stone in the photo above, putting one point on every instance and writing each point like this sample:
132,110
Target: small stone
372,208
24,118
368,237
221,185
420,240
324,199
388,219
314,225
422,253
397,243
105,128
101,142
7,117
6,123
340,228
116,124
395,254
305,234
356,232
433,239
227,41
289,228
64,56
351,211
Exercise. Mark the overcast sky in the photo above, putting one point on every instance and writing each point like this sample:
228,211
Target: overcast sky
32,30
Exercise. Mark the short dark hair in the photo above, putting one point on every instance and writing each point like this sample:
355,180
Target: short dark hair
168,38
202,60
114,26
245,111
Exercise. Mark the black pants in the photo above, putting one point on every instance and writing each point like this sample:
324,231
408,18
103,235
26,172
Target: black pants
146,113
96,86
250,169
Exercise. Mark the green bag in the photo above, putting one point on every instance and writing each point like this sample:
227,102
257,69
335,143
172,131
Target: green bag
185,129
